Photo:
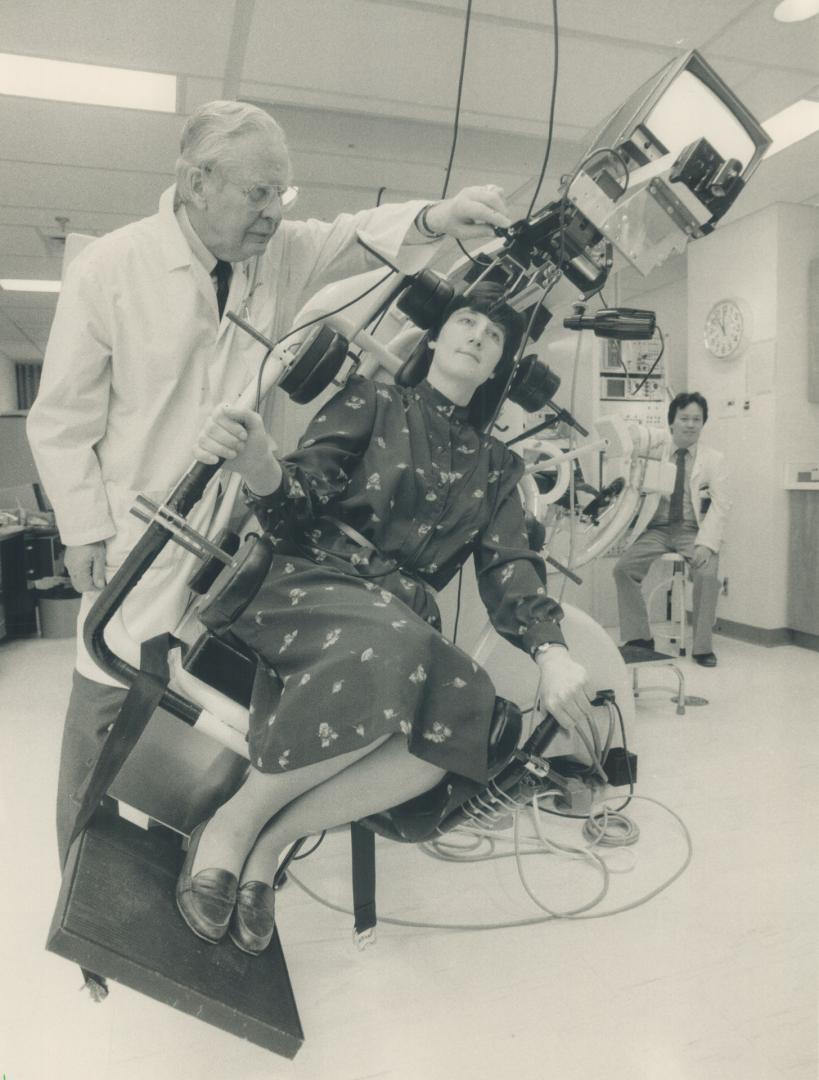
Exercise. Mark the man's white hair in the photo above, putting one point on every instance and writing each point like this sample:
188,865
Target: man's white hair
209,135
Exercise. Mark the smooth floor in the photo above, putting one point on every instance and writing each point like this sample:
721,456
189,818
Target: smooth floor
713,978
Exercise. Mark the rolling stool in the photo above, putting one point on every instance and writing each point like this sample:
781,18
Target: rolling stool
674,629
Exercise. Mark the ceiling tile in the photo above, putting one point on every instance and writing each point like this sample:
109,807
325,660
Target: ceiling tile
73,191
769,90
659,22
756,36
150,35
54,131
43,217
508,71
19,240
43,268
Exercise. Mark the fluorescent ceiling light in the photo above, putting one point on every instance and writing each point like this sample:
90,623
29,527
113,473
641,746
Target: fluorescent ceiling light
792,124
28,285
88,84
796,10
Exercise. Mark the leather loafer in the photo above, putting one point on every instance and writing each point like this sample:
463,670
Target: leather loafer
205,901
254,917
705,659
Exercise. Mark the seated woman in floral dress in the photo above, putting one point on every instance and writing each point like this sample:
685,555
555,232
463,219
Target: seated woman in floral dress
359,702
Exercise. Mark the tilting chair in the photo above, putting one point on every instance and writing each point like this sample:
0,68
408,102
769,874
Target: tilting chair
117,914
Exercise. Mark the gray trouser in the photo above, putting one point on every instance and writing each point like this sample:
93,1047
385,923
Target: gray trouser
632,567
92,708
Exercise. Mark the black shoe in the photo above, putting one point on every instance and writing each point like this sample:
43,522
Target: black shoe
640,643
206,901
705,659
254,917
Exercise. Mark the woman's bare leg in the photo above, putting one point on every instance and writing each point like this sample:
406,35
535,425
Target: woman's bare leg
386,777
233,829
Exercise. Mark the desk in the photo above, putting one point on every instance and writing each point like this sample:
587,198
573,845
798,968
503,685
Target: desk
26,554
12,571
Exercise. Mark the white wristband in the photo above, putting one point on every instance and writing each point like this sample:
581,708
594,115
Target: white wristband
544,648
422,226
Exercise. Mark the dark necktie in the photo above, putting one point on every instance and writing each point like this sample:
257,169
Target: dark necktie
675,510
222,272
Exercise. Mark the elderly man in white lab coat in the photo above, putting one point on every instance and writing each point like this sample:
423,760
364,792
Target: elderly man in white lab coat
690,521
140,353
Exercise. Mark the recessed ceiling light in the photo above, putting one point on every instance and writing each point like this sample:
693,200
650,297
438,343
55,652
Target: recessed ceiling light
792,124
795,10
28,285
87,84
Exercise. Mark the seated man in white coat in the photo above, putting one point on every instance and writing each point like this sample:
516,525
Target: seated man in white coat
690,522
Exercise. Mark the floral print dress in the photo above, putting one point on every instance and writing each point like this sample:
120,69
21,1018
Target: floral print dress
389,492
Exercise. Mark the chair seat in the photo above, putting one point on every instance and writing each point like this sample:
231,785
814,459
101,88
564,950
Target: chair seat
632,654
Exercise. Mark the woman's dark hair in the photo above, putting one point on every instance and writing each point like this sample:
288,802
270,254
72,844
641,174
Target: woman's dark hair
489,300
681,401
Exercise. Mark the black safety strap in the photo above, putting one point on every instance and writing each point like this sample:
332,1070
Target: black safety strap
139,705
363,860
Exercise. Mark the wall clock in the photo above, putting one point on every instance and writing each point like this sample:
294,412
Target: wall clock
727,328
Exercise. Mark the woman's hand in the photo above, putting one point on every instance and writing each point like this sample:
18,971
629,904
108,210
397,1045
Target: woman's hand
562,688
471,214
238,437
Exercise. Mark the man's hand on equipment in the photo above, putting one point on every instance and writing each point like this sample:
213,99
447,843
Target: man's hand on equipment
562,688
238,437
471,214
85,564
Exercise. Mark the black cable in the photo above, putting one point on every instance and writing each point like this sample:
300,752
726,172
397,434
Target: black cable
472,258
311,322
591,817
457,605
551,113
628,763
620,359
650,371
622,363
304,854
458,99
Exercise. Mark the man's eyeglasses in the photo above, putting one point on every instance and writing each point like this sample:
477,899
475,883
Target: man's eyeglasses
259,196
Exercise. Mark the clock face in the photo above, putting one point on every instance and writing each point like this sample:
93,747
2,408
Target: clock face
725,328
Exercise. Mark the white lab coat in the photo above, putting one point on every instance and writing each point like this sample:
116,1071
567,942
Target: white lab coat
137,360
708,481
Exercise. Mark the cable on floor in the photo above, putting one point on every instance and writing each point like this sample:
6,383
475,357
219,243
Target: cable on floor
580,914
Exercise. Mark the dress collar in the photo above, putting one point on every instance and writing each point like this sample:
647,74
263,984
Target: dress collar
440,402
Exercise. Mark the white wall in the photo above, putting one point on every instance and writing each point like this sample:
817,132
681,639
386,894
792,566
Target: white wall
763,260
797,419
